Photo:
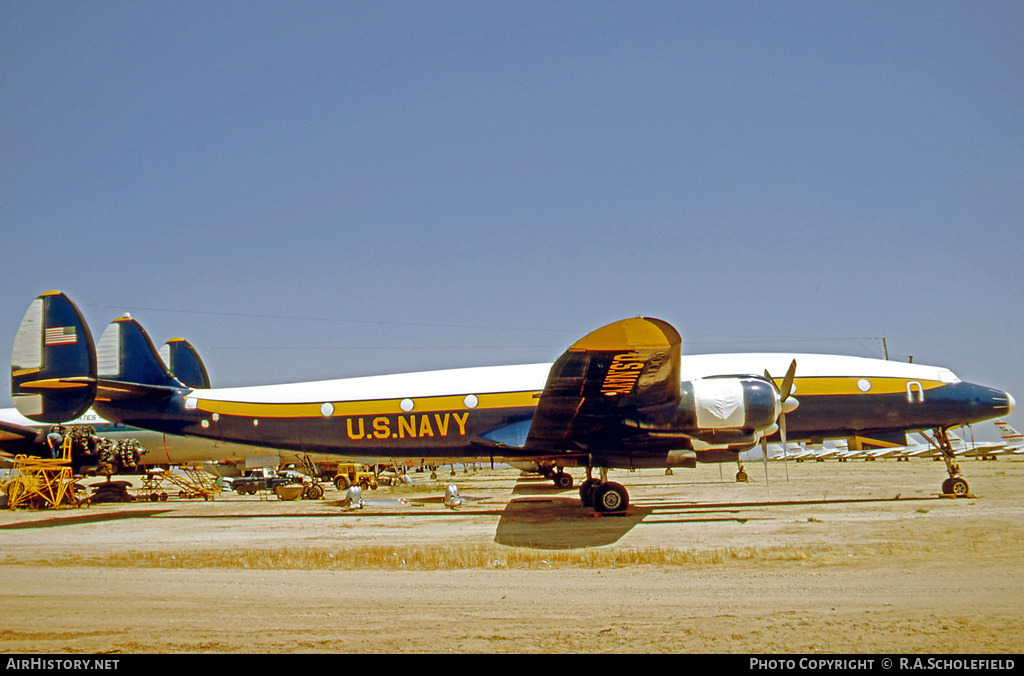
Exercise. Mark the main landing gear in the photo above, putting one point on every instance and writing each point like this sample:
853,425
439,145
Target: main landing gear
955,484
605,497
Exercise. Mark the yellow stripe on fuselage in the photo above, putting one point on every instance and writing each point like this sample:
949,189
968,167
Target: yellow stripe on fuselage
807,387
852,385
368,407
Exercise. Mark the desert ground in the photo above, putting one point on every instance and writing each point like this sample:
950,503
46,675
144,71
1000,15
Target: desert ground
856,557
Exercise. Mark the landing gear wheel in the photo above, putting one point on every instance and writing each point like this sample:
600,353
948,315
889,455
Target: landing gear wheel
587,492
741,477
955,486
611,498
562,480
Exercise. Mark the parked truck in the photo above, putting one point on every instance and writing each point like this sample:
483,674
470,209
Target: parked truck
262,479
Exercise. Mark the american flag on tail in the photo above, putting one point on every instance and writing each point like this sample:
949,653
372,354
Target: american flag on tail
59,335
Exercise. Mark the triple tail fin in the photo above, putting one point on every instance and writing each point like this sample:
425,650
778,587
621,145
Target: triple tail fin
57,372
53,363
129,366
184,363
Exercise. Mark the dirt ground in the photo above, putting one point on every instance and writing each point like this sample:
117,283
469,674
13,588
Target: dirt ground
853,557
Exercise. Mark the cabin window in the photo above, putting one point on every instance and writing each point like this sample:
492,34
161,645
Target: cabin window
915,392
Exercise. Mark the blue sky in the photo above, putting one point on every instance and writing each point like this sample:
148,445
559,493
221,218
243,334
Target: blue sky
322,189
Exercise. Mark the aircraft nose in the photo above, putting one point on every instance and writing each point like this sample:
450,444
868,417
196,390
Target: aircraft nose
1001,403
970,403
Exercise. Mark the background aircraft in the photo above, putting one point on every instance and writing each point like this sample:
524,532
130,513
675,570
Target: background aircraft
22,435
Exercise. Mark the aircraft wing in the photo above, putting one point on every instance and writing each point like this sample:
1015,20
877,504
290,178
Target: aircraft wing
602,380
13,432
15,438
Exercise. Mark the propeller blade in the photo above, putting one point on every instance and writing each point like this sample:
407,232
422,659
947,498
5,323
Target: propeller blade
764,456
787,382
785,445
789,404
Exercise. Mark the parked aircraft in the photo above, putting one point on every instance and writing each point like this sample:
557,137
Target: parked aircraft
620,397
985,450
1014,439
21,435
1013,442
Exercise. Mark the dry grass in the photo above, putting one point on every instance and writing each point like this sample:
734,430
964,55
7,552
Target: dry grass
449,557
495,556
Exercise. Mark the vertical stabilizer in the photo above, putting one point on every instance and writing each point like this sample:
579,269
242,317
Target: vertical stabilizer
126,354
53,363
1011,436
184,363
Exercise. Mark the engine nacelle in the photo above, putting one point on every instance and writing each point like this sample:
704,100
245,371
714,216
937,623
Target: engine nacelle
729,409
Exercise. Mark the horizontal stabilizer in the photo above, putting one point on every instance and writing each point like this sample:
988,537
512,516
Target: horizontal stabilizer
113,390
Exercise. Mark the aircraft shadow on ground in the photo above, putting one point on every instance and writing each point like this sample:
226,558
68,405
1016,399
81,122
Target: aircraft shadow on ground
543,516
561,523
546,517
84,518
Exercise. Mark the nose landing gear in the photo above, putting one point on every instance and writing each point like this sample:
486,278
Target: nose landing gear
955,485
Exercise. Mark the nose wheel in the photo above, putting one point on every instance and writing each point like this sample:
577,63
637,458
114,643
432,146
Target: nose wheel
955,486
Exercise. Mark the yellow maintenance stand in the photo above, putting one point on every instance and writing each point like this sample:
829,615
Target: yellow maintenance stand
193,483
42,483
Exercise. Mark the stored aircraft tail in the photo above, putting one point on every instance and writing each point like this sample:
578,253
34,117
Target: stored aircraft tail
1011,436
57,372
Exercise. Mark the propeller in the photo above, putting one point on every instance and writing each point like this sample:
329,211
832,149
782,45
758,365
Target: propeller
788,404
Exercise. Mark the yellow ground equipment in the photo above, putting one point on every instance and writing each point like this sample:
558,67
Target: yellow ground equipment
42,483
354,474
193,483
